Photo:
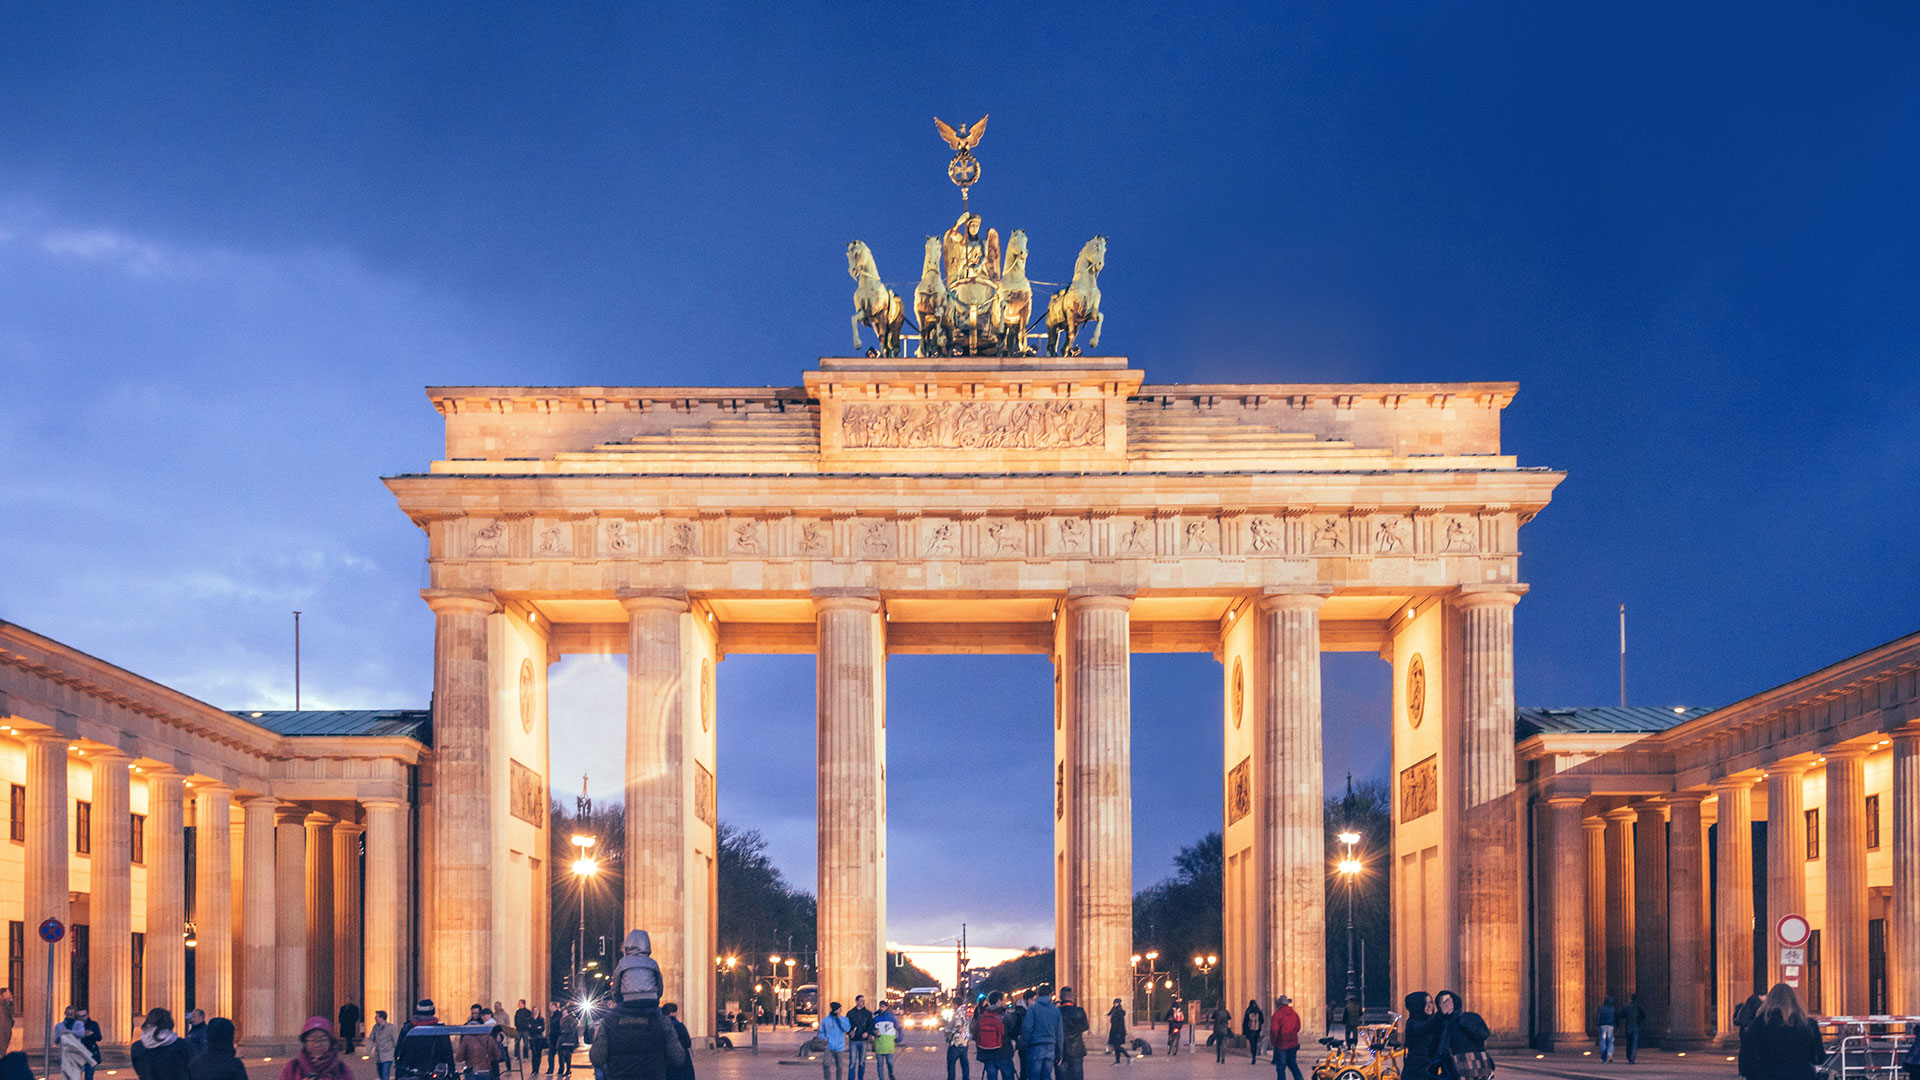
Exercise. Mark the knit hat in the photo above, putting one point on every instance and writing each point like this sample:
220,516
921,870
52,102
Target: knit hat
423,1007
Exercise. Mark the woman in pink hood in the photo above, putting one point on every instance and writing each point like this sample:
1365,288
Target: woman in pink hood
319,1057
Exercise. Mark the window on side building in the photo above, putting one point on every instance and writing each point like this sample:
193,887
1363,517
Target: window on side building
17,823
1813,834
139,845
82,827
1873,822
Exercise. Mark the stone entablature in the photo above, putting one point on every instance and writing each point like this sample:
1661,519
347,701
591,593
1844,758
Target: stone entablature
44,684
1093,416
1859,700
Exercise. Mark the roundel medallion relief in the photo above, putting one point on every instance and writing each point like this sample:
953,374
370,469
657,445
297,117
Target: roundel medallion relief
706,693
1416,691
526,696
1239,692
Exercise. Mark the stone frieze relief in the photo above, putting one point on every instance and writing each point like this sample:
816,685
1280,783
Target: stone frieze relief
974,425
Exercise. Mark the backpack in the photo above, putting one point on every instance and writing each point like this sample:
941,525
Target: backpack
993,1031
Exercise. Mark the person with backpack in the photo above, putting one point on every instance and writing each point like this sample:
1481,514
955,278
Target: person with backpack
834,1029
1117,1033
1176,1018
1071,1064
991,1044
958,1034
1252,1023
860,1022
1460,1040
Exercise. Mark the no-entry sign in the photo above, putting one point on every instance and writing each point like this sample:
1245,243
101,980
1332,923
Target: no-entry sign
1792,931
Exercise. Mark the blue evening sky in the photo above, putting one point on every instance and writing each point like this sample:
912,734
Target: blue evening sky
236,240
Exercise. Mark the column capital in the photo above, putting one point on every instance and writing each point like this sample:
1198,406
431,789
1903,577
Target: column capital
43,737
461,601
1905,736
1594,824
210,786
1651,809
260,802
1305,599
348,828
1626,815
1736,782
162,773
384,803
317,820
1788,767
1691,798
638,600
1099,599
1847,753
290,814
109,755
1476,596
1561,802
861,600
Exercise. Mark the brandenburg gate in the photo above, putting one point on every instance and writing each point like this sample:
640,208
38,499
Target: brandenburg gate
980,504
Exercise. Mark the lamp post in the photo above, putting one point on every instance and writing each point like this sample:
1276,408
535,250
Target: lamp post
1350,870
584,867
1206,964
1153,987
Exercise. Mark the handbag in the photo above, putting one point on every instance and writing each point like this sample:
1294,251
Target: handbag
1473,1065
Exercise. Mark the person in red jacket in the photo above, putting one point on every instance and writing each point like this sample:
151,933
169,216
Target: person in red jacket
1285,1039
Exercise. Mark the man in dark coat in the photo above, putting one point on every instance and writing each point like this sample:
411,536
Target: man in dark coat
349,1024
1071,1064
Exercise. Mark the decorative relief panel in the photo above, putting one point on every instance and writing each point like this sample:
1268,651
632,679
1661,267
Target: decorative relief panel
943,539
876,539
617,537
1196,538
974,425
1059,790
1263,536
489,538
1419,790
683,538
1460,536
1136,537
703,807
553,539
1328,536
815,537
747,537
1006,538
1416,691
1239,692
1240,790
527,795
1391,536
1070,536
526,696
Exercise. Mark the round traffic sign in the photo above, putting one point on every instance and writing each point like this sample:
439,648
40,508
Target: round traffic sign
52,930
1793,930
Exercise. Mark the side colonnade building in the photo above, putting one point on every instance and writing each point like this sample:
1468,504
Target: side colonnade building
256,865
1668,843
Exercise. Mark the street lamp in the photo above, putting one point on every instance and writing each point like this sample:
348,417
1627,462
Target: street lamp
584,867
1153,976
1206,964
1350,868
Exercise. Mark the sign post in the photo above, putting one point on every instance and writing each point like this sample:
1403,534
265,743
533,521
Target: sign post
51,932
1792,933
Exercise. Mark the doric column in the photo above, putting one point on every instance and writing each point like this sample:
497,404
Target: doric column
658,791
1594,829
110,905
385,907
1687,915
290,925
166,942
1621,969
213,898
1650,920
1786,851
1733,897
1096,784
1843,945
1295,812
1566,881
1489,859
346,917
320,884
458,951
46,851
258,932
851,680
1903,913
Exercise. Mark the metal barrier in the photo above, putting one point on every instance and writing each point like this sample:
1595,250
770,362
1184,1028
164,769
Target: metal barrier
1866,1047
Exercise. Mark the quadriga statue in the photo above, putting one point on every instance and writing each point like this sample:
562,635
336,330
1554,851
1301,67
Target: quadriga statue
1079,303
873,303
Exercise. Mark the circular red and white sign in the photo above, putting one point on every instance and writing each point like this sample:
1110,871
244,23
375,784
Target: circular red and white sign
1793,930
